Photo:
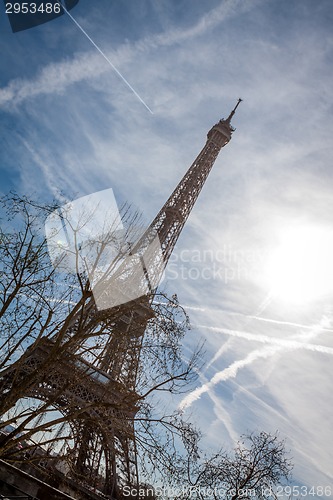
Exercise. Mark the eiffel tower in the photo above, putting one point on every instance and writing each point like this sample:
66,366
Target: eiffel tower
99,399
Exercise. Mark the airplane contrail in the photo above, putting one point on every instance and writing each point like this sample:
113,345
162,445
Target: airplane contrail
274,345
265,339
229,372
106,58
265,303
255,317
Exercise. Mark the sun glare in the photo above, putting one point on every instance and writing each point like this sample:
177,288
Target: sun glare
300,270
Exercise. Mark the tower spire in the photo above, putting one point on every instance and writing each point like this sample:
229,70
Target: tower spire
234,110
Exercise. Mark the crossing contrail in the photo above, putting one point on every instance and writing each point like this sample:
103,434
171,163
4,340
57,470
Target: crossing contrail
273,345
229,372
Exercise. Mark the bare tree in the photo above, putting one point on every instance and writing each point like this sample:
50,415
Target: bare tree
257,465
51,309
46,308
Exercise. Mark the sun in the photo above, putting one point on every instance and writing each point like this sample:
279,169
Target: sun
300,269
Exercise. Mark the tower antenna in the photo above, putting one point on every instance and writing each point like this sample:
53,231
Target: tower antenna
234,110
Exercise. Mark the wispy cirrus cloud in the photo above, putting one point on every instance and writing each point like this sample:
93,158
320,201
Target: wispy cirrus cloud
56,77
274,346
224,375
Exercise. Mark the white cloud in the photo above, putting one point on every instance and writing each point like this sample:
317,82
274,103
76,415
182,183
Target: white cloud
275,346
56,77
229,372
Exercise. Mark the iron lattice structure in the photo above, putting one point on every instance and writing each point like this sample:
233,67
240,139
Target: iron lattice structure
100,399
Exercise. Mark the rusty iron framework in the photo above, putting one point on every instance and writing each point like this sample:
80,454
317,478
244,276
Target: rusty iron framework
100,399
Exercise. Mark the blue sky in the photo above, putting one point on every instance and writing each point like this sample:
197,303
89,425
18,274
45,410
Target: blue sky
71,126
